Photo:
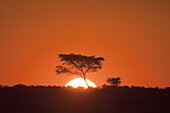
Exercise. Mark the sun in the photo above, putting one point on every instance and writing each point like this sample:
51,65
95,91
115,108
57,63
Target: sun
79,82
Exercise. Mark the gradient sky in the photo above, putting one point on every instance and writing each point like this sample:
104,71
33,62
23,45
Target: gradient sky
132,35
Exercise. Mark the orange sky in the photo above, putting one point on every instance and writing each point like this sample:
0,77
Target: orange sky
132,35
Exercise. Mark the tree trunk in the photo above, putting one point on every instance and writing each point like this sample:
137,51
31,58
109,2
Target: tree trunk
87,83
84,77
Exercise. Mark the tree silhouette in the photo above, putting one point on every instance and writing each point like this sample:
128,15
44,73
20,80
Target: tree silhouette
114,81
78,64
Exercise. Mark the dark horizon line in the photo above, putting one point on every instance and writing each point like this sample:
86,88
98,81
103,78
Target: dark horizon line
98,87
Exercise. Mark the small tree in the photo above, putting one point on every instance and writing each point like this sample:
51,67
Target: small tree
78,64
114,81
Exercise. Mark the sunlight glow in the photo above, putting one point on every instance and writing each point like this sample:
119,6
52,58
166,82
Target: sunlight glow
79,82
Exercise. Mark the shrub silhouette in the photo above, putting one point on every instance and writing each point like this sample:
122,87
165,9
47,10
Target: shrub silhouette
114,81
19,86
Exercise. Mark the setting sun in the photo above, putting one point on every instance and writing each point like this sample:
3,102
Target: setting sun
79,82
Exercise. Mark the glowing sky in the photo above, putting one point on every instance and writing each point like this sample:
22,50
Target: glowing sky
132,35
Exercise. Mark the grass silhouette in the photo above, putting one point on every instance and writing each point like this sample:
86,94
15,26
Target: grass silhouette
51,99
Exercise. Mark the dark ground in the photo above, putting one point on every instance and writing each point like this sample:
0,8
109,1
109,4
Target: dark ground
65,100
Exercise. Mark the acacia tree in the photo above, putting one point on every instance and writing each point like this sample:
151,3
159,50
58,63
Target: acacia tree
114,81
77,64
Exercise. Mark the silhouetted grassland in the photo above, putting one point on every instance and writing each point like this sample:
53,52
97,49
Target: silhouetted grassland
22,99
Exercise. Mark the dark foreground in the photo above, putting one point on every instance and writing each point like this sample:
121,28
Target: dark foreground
64,100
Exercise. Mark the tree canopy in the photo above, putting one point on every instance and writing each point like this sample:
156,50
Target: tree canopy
78,64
